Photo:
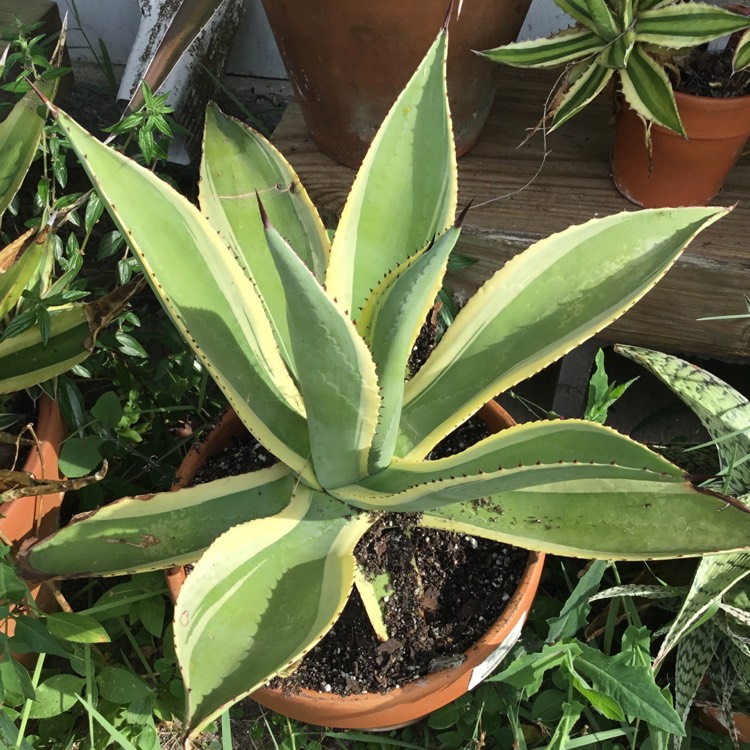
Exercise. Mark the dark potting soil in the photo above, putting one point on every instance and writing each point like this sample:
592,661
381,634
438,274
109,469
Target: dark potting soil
705,73
432,616
446,588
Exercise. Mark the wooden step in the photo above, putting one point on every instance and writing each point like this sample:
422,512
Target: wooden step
522,193
30,12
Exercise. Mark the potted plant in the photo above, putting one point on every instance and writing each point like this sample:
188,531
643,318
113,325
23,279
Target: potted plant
380,710
348,62
309,341
670,148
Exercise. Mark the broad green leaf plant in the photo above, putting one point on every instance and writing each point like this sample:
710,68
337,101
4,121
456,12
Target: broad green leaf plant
309,340
628,39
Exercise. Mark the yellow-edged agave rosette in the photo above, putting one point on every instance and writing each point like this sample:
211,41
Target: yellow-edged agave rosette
310,343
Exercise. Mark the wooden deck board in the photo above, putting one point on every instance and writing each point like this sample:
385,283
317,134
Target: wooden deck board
515,206
29,12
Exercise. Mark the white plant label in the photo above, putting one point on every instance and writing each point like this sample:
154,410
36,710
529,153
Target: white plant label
481,671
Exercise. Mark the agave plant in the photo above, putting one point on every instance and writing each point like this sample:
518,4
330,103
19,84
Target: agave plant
630,39
710,629
309,341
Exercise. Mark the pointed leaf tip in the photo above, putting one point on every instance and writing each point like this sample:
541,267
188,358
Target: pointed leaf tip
263,215
462,215
448,16
45,100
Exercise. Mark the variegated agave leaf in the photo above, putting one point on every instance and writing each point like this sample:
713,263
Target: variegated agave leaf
151,532
237,164
336,373
267,591
26,359
541,304
21,131
223,317
369,239
741,59
21,262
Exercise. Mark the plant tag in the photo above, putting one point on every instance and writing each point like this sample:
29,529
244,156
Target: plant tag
483,670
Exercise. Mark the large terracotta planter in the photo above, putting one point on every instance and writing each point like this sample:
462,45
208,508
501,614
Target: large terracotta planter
682,172
402,706
348,61
37,516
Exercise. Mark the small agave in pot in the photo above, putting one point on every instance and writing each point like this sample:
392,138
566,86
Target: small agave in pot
309,341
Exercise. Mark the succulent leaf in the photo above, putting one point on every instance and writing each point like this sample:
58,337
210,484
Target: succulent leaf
157,531
541,304
20,263
723,411
564,47
648,91
543,442
20,133
741,59
694,654
621,519
618,51
440,492
337,376
400,307
409,171
222,317
595,15
680,25
27,360
267,591
715,575
238,162
583,88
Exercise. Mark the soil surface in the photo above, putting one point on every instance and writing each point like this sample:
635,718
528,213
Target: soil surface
705,73
445,589
432,616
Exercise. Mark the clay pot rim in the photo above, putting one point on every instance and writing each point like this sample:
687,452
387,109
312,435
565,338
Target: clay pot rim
407,701
724,102
704,117
42,462
475,657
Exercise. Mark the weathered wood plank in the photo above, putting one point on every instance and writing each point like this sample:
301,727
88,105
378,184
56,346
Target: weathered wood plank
29,12
520,196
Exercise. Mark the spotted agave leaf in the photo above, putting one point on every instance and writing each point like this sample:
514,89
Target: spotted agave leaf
715,575
723,411
694,654
724,679
649,592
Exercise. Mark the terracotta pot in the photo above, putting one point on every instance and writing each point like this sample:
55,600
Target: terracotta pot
348,61
683,172
402,706
37,516
712,718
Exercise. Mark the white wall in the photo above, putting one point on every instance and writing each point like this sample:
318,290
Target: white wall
255,54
